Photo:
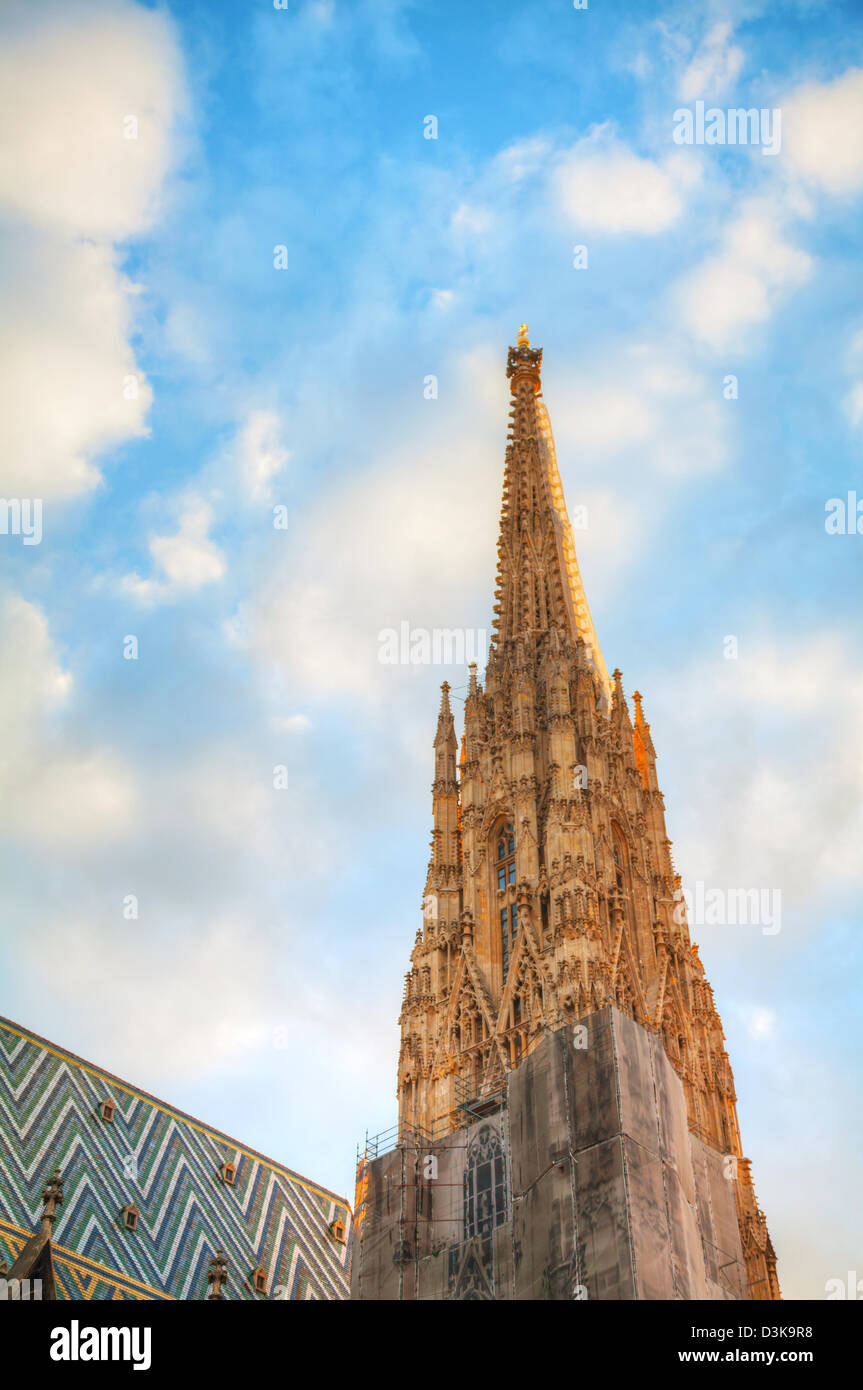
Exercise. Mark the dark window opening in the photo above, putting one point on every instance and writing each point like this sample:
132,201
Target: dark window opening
508,934
485,1194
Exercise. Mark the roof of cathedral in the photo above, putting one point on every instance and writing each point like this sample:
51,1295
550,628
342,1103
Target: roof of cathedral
174,1110
169,1168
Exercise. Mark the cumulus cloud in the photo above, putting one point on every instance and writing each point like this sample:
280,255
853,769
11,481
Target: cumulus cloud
89,96
385,534
54,790
261,454
88,100
646,403
207,1012
821,124
602,184
714,65
797,822
185,561
742,285
70,384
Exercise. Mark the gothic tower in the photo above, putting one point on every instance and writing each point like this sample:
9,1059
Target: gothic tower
551,905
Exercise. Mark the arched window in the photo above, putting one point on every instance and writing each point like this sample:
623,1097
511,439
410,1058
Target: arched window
508,934
485,1195
621,861
505,858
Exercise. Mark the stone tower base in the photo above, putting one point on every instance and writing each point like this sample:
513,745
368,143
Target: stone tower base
583,1182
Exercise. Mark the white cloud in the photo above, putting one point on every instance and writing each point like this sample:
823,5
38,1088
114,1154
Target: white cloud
471,220
758,1022
742,285
821,125
798,822
600,183
292,723
71,186
70,384
260,454
53,789
385,534
70,76
646,404
206,1012
714,66
31,676
187,560
521,159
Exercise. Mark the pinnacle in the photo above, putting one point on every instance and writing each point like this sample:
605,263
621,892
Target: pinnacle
445,727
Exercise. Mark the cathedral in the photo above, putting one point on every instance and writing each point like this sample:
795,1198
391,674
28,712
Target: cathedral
567,1123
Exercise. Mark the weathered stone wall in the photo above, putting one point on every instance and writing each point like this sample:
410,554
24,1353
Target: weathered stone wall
608,1195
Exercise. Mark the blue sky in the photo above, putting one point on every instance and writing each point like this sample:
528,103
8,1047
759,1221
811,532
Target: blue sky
168,387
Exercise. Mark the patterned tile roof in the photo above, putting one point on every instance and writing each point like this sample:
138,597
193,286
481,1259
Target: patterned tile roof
170,1165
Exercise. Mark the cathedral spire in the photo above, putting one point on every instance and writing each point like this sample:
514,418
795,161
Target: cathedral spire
539,588
446,851
551,896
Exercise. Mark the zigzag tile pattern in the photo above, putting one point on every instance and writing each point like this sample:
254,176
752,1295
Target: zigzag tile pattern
169,1166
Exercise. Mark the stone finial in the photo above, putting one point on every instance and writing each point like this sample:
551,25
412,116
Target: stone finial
217,1274
52,1196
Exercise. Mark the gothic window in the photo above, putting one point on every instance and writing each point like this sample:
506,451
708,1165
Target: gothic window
618,863
508,934
505,858
621,862
485,1195
543,912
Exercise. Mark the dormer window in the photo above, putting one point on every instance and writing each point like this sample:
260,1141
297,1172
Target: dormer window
130,1217
106,1110
259,1280
229,1174
338,1229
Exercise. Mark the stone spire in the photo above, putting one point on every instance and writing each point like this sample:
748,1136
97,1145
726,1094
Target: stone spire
446,850
538,588
35,1261
551,893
